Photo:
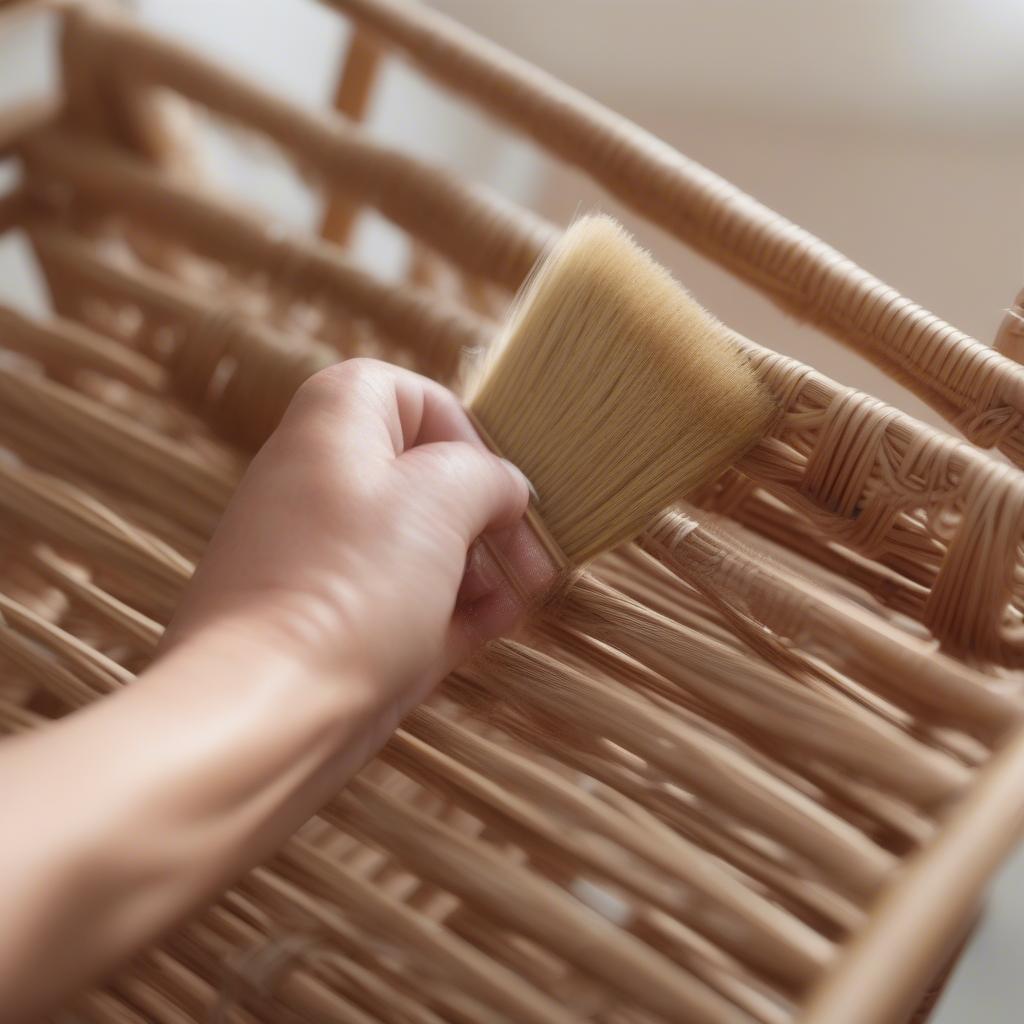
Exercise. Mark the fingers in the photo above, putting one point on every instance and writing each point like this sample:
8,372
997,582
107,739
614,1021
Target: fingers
439,414
466,486
384,406
506,571
513,551
374,416
485,573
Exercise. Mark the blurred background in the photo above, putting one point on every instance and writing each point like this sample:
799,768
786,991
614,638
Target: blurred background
890,128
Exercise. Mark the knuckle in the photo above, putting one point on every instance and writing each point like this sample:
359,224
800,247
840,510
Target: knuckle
464,473
459,459
338,379
340,388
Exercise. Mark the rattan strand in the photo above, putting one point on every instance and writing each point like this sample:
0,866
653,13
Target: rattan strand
359,73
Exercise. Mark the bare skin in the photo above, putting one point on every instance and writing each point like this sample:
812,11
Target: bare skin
344,581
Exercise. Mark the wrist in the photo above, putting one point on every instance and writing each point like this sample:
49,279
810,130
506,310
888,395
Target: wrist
268,651
323,641
305,660
247,738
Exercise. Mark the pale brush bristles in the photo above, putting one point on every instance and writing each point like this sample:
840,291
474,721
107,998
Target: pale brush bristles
614,391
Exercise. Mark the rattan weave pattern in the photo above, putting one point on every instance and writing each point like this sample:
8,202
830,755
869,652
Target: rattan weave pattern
715,780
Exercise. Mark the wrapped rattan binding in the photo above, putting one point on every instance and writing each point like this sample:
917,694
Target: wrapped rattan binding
732,764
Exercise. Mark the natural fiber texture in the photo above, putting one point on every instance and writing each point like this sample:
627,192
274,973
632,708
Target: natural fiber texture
613,390
755,766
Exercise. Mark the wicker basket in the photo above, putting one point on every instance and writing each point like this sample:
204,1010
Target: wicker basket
771,787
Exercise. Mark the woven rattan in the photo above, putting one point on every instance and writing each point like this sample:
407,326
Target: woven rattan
756,766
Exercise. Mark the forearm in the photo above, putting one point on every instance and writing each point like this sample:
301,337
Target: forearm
126,816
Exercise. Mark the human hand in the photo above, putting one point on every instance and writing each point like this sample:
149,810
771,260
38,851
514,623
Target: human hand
347,539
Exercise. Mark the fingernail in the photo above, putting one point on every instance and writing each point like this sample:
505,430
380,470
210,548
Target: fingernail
516,471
